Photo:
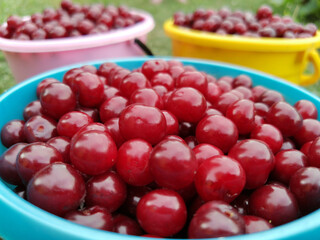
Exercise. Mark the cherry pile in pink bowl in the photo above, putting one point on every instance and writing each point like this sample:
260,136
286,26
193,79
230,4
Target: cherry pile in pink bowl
160,148
70,20
262,23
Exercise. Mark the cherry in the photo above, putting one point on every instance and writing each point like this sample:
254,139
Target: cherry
270,97
287,162
313,154
8,162
268,134
126,225
133,162
13,132
162,212
152,67
147,97
285,117
187,98
242,114
213,92
93,152
134,194
91,112
216,219
71,122
132,82
57,99
138,121
173,164
218,131
256,224
257,160
261,109
305,186
13,22
112,126
35,156
44,83
163,79
62,144
106,190
224,101
88,88
57,188
95,217
205,151
274,203
171,122
112,108
193,79
306,109
309,131
220,178
32,109
40,129
257,91
242,80
115,79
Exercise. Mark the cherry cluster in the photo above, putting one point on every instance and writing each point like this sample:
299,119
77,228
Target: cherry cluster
70,20
261,24
164,151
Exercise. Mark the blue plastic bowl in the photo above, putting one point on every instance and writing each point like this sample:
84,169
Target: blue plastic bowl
21,220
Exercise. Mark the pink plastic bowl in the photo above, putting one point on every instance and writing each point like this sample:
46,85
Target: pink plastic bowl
28,58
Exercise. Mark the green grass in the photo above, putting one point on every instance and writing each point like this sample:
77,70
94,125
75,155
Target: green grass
158,42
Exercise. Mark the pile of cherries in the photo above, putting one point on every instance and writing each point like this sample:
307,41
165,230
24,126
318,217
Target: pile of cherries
261,24
70,20
164,151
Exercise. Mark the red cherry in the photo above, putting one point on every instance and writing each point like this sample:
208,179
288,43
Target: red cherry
193,79
112,108
256,224
132,82
13,132
152,67
162,212
46,191
205,151
147,97
220,178
126,225
173,164
40,129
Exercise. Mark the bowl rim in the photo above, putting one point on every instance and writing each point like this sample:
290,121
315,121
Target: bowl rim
87,41
209,39
14,202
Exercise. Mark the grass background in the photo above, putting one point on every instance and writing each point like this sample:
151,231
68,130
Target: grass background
158,42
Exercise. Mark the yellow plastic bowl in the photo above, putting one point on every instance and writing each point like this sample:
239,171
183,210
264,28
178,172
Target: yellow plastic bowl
285,58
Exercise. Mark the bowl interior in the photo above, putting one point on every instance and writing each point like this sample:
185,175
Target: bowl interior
49,226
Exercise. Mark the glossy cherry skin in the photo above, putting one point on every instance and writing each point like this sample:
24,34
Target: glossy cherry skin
162,212
152,67
89,89
275,203
134,194
285,117
62,144
257,160
268,134
171,122
256,224
32,109
91,112
213,92
57,188
138,121
216,219
242,80
173,164
225,100
242,113
93,152
205,151
126,225
132,82
270,97
287,162
306,109
107,190
309,131
305,185
147,97
34,157
40,129
133,162
163,79
112,108
57,99
71,122
193,79
187,98
45,82
13,132
220,178
217,130
94,217
8,160
112,126
314,153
